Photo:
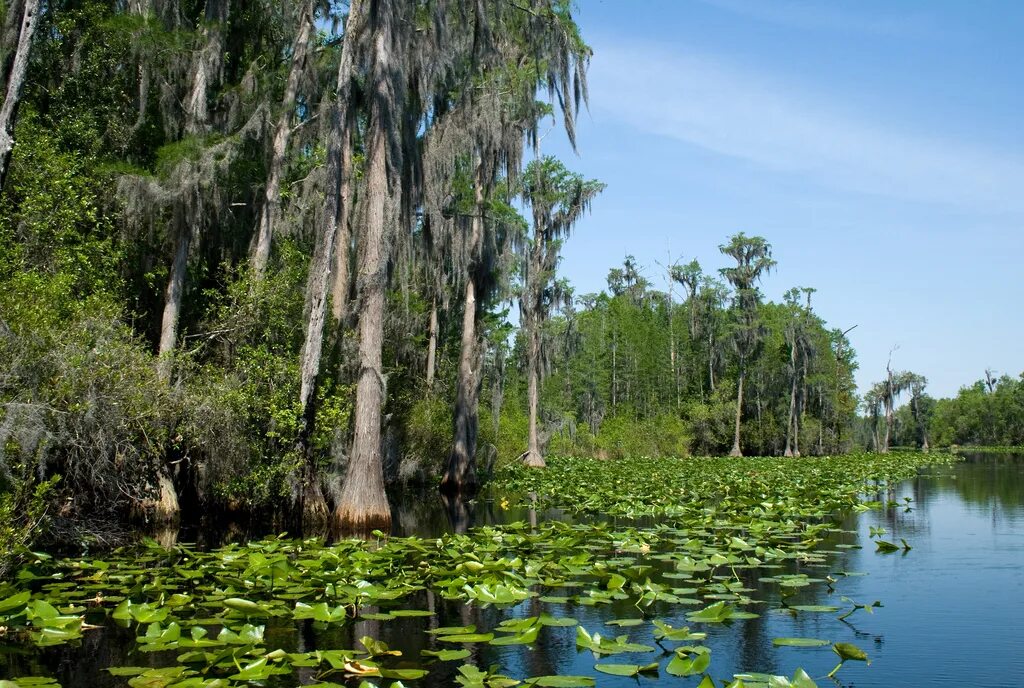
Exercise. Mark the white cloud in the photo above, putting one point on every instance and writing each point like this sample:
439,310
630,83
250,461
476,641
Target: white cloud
750,116
822,15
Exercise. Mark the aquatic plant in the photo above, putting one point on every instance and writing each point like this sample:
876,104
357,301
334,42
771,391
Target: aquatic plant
212,617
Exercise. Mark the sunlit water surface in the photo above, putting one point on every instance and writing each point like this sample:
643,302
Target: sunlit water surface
953,609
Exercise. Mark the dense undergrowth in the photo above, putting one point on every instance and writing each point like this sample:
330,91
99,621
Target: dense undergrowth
732,534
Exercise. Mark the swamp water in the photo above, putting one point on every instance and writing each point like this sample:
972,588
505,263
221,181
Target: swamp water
952,614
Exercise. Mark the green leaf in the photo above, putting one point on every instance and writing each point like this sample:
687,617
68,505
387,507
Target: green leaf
446,655
561,681
886,547
799,642
627,669
244,606
466,638
849,651
16,601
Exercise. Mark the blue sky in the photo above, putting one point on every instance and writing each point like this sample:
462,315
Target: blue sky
877,145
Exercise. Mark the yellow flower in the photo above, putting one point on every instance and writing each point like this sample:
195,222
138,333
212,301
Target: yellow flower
504,503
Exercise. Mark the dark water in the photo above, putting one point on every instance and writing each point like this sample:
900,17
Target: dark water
953,605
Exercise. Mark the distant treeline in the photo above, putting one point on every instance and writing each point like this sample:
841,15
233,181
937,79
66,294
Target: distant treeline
638,371
989,413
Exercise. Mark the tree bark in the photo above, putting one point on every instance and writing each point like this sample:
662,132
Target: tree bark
15,80
533,457
711,365
736,450
363,504
789,424
888,427
460,476
196,110
270,213
173,294
531,320
312,499
15,11
340,281
672,340
165,508
792,431
432,342
141,9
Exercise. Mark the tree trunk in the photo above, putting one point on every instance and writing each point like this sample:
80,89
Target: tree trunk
888,427
363,504
312,500
13,17
531,320
166,508
432,341
672,341
792,419
196,105
497,390
711,365
162,507
736,450
615,382
15,80
533,457
173,294
140,8
270,213
343,233
792,428
460,476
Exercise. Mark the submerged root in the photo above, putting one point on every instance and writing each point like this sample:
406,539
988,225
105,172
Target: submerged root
533,459
315,513
460,483
163,508
360,523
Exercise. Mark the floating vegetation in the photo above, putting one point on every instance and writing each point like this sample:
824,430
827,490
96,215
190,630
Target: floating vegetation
726,526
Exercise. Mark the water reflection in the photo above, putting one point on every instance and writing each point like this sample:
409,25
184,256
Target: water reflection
952,610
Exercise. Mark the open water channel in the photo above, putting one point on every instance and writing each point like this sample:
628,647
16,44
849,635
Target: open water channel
952,614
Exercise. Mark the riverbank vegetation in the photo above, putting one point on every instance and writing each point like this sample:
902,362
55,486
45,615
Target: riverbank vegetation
264,260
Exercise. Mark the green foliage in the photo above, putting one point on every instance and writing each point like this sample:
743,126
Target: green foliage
427,439
240,410
623,436
23,513
710,423
637,372
79,393
510,439
81,400
800,489
982,414
51,224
